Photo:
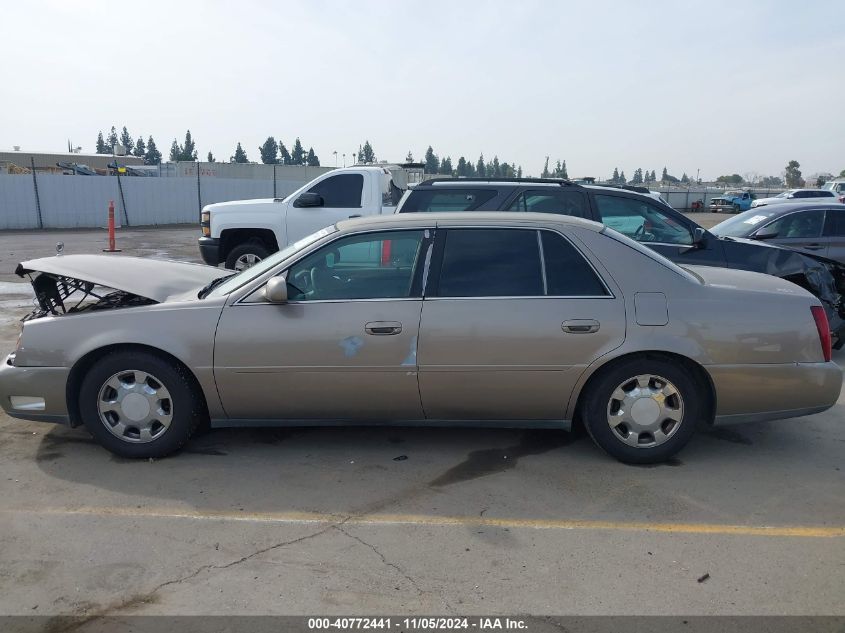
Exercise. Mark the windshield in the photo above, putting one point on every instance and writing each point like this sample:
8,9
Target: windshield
236,281
743,224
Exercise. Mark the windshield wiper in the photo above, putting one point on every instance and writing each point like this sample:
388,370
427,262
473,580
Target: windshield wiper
212,285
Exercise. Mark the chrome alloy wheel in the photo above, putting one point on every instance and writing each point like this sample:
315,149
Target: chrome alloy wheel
246,260
135,406
645,411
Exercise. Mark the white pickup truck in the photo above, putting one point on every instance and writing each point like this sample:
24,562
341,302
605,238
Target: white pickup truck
242,232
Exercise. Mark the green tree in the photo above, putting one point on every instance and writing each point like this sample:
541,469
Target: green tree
792,175
239,156
153,156
297,154
622,179
101,144
842,174
432,163
284,155
497,168
140,147
366,153
461,170
685,178
175,151
664,175
615,178
563,173
546,173
638,177
480,169
126,140
732,179
269,151
519,172
111,141
210,158
446,166
311,159
771,181
188,149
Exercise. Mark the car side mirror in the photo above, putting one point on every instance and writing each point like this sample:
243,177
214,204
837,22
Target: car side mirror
699,236
276,290
766,233
309,199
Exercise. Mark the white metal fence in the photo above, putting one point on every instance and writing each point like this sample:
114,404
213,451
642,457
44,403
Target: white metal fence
54,201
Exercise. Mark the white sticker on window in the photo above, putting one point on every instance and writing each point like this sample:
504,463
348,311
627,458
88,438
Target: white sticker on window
755,220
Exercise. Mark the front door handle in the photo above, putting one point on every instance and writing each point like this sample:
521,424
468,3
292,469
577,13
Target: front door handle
383,328
355,215
580,326
814,247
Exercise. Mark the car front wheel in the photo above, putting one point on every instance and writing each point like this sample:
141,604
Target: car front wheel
642,410
139,405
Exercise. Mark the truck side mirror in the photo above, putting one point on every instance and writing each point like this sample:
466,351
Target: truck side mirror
309,199
276,290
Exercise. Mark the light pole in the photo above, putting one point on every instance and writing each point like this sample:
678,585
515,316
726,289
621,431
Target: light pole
697,179
335,157
344,160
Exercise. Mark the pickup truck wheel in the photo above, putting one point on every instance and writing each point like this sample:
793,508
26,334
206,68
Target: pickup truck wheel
737,208
139,405
642,411
245,255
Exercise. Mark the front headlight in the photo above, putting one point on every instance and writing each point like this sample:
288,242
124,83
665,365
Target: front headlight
205,217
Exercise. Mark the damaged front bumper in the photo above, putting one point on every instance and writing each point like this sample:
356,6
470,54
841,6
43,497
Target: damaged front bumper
34,393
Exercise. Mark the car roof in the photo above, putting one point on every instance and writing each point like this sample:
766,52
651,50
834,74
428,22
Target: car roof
808,203
474,218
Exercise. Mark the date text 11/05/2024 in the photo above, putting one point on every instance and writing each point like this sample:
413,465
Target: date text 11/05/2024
417,624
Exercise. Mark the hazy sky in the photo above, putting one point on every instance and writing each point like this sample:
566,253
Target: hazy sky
721,86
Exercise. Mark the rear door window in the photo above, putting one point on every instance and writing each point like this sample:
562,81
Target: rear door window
447,199
491,263
835,226
562,201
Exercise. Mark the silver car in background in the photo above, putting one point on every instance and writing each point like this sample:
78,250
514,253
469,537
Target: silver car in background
497,319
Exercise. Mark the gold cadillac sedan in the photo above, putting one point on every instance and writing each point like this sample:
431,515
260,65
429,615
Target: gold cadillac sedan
506,320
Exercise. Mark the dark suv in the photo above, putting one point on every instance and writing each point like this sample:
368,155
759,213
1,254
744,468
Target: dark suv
642,217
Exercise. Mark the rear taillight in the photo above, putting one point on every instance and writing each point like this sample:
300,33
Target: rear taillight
824,330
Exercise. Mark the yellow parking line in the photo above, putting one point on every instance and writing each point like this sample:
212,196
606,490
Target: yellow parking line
803,531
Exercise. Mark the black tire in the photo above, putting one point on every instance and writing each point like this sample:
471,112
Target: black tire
597,399
247,248
188,408
736,208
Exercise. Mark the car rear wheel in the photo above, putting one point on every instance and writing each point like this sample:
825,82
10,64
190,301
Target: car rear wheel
137,404
245,255
643,410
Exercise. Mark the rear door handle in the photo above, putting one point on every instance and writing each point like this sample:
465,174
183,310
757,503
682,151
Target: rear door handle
814,247
355,215
580,326
383,328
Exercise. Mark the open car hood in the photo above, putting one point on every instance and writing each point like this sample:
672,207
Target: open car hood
153,279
